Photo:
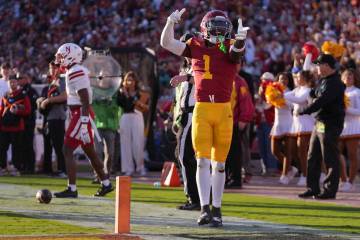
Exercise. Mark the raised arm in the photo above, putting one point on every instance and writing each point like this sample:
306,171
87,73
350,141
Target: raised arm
167,40
302,98
237,50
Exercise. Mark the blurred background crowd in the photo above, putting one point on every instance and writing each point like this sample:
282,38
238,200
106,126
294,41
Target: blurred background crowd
31,31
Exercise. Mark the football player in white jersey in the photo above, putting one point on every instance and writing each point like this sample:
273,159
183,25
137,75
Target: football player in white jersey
81,125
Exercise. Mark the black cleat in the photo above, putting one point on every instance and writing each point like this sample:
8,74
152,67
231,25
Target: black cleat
103,190
233,184
216,220
308,194
205,215
325,195
67,193
190,206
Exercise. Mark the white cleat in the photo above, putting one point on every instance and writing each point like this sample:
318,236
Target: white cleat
302,181
284,180
346,187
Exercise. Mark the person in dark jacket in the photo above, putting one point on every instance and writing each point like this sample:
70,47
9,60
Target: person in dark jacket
14,107
52,105
329,107
25,83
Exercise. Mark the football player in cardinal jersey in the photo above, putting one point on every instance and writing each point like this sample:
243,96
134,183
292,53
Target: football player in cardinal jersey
80,129
214,57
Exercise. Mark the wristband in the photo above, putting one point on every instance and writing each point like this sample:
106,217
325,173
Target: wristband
233,48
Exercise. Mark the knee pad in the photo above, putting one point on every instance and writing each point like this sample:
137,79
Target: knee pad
218,166
203,163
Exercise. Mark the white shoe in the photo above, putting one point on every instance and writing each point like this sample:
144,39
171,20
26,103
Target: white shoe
13,170
302,181
129,173
143,172
322,178
291,174
284,180
3,172
346,187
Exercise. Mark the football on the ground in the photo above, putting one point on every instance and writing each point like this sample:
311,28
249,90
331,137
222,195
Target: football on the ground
44,196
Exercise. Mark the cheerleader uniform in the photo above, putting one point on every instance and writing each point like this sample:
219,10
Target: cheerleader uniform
352,116
302,124
283,121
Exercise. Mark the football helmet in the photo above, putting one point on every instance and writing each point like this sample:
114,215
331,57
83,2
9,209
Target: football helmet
216,26
68,54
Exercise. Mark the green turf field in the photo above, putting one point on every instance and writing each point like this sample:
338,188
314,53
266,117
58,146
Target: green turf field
294,212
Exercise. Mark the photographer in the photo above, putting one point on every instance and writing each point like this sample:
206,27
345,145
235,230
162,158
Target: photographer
15,106
52,105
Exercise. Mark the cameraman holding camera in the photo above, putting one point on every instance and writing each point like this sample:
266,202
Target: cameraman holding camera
52,105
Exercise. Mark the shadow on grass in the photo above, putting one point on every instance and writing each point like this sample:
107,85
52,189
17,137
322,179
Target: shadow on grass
13,215
287,215
295,205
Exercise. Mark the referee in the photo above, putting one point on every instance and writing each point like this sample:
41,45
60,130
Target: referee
329,107
185,102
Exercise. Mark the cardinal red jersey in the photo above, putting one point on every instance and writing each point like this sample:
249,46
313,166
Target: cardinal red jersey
214,72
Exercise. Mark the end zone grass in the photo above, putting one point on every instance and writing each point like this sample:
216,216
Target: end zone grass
293,212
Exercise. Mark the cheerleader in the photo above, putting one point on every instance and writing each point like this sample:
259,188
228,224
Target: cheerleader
350,135
280,133
302,124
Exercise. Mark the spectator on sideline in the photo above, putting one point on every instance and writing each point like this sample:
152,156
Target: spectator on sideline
184,103
53,106
243,109
132,137
264,121
15,106
330,112
108,114
282,144
5,74
304,124
25,83
349,138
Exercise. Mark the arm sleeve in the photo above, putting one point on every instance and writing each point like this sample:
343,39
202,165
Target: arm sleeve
290,96
236,55
168,41
326,97
354,110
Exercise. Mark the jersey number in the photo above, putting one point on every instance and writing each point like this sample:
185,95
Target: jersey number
207,74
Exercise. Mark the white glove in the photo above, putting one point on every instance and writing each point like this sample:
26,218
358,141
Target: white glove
241,31
175,17
84,133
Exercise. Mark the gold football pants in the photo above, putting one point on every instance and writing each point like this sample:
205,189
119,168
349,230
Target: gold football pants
212,125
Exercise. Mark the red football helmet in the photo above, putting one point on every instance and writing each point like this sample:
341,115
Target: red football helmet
214,24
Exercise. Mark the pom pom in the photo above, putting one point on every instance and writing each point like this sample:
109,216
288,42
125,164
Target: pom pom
332,48
274,94
346,101
310,47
